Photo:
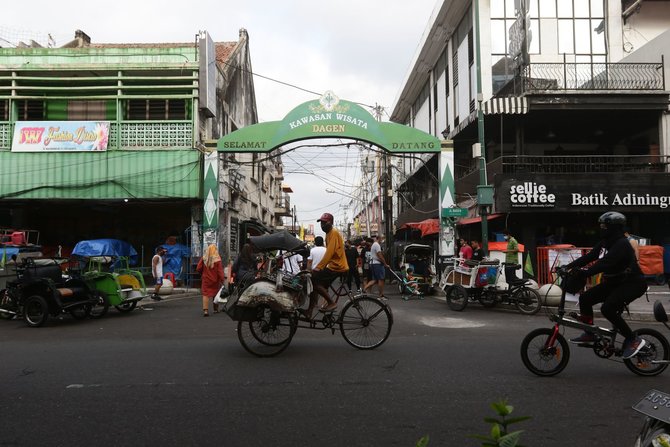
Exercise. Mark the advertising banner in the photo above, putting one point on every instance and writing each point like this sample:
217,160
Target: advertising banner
60,136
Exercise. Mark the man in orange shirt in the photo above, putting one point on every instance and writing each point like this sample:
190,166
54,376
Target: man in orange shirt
333,264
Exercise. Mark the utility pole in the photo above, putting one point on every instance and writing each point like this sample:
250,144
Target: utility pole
386,187
484,191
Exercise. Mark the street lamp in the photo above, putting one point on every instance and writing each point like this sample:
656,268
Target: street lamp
358,199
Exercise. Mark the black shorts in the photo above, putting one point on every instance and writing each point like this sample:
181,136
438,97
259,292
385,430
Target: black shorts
324,277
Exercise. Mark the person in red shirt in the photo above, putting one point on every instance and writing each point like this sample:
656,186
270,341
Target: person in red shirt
466,251
212,277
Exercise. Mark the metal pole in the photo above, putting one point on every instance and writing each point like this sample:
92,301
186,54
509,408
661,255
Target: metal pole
480,127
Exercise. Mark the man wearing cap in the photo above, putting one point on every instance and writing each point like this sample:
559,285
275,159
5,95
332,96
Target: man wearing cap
333,264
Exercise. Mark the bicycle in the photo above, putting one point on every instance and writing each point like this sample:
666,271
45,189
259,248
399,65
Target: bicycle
268,314
545,351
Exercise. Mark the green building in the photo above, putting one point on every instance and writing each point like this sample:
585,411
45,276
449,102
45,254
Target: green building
157,109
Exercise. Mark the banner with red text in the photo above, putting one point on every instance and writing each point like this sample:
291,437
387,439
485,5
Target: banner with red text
60,136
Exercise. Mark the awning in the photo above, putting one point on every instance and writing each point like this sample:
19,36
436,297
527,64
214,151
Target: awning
513,105
427,227
471,220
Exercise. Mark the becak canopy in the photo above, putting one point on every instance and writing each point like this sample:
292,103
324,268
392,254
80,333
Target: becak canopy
105,247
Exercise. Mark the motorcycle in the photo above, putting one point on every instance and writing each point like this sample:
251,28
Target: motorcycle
655,405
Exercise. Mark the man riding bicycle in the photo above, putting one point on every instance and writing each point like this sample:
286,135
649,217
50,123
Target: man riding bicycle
333,264
622,281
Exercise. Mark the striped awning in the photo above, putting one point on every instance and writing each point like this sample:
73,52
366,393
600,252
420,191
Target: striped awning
509,105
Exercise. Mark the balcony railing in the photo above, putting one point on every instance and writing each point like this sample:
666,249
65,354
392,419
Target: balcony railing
579,164
283,205
467,180
593,76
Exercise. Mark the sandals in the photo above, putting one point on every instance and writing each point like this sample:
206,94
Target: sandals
205,313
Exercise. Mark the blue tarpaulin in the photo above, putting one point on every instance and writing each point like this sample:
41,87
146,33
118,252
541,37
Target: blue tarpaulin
173,259
105,247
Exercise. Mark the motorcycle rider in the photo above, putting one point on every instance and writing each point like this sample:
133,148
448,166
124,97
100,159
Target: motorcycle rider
622,281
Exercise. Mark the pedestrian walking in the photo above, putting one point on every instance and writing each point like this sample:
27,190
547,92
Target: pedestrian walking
352,259
377,268
211,277
157,271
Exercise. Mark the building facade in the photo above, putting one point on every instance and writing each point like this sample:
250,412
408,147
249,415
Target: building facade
157,176
574,97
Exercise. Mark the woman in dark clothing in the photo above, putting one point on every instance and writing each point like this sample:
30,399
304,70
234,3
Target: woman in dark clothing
244,266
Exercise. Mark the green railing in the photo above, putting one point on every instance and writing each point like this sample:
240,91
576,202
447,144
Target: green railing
5,135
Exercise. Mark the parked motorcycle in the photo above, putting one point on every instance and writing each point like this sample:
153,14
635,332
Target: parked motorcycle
40,290
655,405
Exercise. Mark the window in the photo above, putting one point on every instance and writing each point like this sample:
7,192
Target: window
30,110
86,110
156,109
581,27
566,37
4,110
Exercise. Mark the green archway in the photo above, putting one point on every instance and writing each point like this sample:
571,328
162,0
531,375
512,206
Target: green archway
329,117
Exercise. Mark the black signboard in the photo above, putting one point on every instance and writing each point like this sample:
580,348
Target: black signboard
588,192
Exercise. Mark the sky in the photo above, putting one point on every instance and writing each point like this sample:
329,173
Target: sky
359,49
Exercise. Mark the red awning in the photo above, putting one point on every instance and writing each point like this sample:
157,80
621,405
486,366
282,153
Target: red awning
427,227
471,220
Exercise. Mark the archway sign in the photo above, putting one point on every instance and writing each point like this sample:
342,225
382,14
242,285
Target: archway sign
331,117
328,117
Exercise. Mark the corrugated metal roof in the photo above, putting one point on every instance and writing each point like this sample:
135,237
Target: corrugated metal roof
106,175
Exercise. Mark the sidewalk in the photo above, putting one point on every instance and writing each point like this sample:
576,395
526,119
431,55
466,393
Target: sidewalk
640,309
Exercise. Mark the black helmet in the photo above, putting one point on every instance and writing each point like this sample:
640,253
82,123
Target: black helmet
612,218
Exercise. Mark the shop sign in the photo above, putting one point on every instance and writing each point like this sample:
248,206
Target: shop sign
531,195
60,136
569,192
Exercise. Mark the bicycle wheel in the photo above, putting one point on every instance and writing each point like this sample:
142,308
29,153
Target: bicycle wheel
527,300
269,334
541,359
457,297
656,349
365,322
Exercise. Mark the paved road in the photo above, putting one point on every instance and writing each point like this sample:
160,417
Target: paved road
168,376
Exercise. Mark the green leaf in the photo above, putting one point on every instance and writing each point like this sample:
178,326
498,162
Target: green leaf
510,439
502,408
423,442
495,431
517,419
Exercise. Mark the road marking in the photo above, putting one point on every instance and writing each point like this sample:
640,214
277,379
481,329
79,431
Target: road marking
446,322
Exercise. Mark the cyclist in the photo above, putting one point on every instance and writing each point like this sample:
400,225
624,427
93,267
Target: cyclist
332,265
622,281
